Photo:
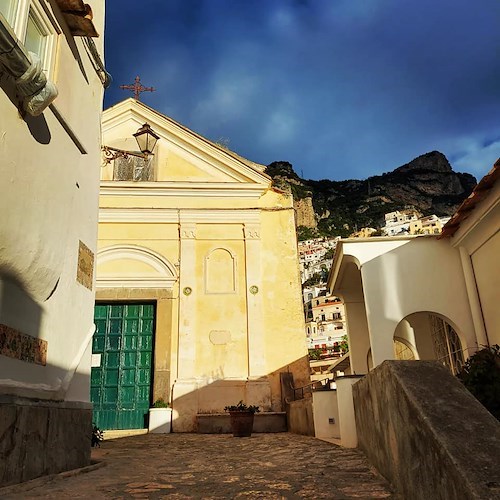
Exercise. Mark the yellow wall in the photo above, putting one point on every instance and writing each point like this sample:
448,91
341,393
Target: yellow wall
235,316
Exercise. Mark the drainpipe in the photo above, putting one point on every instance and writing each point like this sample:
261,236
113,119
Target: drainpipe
473,296
32,86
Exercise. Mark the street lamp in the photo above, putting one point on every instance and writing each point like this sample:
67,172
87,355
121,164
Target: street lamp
146,138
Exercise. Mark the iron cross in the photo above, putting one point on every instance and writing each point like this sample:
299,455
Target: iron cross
137,88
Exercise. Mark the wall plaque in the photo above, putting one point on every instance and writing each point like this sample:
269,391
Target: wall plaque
17,345
85,271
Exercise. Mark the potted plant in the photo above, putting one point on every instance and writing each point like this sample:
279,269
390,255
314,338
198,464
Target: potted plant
160,417
242,418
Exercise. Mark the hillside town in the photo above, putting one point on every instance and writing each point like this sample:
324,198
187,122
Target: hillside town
324,314
165,329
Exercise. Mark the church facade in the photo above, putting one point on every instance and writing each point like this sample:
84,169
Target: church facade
197,286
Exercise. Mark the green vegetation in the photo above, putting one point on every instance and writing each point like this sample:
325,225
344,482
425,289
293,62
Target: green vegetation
481,375
306,233
241,406
317,278
329,253
315,354
161,403
344,344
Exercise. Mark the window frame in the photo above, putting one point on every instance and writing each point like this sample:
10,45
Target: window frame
45,22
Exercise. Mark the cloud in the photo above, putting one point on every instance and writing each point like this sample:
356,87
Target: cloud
341,89
478,157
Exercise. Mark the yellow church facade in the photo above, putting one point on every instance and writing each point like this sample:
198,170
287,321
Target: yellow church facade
198,296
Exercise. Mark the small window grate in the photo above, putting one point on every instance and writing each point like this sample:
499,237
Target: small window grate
133,168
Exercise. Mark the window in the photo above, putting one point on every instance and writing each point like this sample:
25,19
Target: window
36,37
133,168
447,346
34,26
8,10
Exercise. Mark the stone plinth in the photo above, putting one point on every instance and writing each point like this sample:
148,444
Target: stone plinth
219,423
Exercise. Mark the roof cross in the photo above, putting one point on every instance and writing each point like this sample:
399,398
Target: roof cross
137,88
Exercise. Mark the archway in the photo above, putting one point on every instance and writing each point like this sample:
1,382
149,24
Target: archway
430,336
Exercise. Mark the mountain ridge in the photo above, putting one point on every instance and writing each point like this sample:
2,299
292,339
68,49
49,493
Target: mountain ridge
337,208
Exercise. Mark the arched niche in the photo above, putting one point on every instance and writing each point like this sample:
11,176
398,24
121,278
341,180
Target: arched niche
220,272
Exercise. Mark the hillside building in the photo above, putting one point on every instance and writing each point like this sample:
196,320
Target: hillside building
412,222
325,322
314,257
51,79
198,292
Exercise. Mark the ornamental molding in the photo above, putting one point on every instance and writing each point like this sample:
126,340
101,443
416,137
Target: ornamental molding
182,189
252,231
166,275
171,215
188,231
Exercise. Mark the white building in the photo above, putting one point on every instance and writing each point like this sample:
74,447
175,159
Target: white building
325,322
425,297
398,222
49,167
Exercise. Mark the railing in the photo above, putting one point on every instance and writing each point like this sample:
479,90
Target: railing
309,388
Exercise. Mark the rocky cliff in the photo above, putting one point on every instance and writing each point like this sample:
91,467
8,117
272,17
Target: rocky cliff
427,183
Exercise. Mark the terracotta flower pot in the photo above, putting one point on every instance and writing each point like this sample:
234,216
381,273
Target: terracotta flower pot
241,423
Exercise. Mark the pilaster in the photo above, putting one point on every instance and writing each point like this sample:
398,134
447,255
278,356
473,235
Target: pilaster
187,298
255,323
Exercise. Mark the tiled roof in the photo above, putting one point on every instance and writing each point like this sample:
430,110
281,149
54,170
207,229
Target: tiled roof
478,194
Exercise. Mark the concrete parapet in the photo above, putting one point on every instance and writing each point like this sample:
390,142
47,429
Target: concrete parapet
42,437
219,423
426,433
300,416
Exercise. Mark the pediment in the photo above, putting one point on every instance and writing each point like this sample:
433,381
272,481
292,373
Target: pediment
133,266
181,155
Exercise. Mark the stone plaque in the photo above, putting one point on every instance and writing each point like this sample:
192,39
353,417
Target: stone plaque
219,337
17,345
85,271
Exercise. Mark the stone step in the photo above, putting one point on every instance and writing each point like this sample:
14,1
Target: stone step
219,423
120,433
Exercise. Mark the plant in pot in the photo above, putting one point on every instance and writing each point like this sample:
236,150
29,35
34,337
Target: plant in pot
242,418
160,417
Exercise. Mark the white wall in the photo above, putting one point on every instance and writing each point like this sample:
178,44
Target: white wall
326,414
404,276
49,204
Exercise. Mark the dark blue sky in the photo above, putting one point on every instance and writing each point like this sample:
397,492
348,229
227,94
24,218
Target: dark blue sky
339,88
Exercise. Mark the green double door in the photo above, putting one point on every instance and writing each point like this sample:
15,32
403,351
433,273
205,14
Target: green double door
120,386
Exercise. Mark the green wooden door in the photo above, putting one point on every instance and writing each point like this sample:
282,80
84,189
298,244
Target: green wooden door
120,387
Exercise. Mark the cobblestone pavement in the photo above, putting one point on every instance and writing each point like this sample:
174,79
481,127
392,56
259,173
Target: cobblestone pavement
219,466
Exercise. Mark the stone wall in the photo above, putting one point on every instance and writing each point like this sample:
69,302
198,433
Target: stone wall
300,417
426,433
39,438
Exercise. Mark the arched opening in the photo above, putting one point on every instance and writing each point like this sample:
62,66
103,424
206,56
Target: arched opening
402,350
429,336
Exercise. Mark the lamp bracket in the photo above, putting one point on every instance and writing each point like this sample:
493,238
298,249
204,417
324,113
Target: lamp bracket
110,154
